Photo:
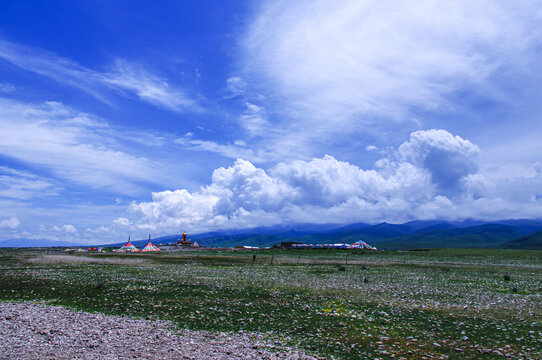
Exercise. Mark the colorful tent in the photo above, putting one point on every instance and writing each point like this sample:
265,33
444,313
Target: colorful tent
150,246
128,247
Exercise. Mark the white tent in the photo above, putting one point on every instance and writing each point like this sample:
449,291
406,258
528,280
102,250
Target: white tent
362,245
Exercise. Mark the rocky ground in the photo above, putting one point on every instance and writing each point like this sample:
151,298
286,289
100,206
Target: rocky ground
37,331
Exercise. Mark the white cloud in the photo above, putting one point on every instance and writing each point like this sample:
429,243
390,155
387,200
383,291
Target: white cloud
254,121
411,183
11,223
46,219
16,184
111,233
66,228
235,150
6,88
235,86
49,65
320,190
126,78
359,67
448,158
72,145
121,221
149,87
99,230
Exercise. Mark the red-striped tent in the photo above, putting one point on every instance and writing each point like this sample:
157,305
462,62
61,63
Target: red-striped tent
150,247
128,247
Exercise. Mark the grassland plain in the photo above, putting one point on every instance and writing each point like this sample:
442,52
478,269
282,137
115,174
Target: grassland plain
341,304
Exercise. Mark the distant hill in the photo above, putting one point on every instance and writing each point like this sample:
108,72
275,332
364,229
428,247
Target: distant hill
346,228
371,233
240,240
422,225
527,225
23,242
388,236
436,227
529,242
482,236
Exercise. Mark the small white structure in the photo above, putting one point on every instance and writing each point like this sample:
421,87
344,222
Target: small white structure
360,244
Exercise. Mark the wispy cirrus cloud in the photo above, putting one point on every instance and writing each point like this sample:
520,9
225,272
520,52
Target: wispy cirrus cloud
254,121
251,143
59,69
148,87
361,67
235,150
235,86
125,78
6,88
16,184
72,146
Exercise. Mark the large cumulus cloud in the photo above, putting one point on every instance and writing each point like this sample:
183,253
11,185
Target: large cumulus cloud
449,159
433,174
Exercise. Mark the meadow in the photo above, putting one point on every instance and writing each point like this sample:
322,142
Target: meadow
342,304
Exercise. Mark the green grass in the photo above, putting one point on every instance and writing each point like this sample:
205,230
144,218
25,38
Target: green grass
452,302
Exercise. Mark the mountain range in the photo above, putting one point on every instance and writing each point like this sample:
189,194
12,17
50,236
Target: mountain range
529,242
24,242
415,234
512,234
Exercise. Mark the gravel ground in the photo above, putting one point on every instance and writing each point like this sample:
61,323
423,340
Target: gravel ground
37,331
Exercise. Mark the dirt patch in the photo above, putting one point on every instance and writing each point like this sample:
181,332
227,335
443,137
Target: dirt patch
37,331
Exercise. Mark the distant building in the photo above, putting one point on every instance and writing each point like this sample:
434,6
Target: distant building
184,241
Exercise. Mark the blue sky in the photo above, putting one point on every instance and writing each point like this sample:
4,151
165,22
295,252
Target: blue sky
125,117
